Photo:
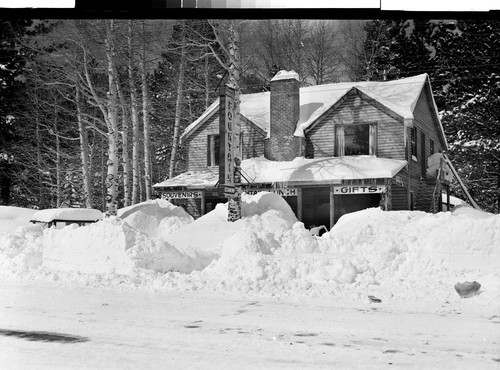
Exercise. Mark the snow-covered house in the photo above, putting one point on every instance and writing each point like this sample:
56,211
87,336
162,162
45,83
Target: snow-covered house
328,149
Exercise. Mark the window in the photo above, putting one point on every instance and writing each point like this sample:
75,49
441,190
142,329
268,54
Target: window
431,146
424,156
213,150
414,142
356,139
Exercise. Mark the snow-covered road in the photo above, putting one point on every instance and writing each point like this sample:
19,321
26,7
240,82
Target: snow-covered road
120,329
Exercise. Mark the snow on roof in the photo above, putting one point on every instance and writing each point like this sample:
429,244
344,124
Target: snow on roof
286,75
191,178
400,96
299,170
67,214
330,169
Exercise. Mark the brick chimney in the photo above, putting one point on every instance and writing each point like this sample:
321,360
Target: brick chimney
285,113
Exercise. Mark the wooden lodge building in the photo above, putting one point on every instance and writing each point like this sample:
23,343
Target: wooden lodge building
327,149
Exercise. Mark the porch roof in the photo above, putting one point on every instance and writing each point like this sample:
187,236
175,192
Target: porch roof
298,171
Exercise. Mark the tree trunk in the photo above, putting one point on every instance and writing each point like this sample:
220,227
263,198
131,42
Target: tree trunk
234,204
112,122
145,118
125,147
135,118
178,111
207,83
59,192
84,151
39,162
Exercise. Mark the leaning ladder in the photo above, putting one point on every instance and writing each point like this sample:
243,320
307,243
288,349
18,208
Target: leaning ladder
462,185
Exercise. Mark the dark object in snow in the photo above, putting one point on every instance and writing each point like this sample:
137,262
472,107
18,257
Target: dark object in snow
374,299
467,289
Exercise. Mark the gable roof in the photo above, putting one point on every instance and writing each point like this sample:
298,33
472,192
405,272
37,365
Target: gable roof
399,96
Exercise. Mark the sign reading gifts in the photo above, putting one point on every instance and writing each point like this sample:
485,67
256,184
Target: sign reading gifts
358,189
229,130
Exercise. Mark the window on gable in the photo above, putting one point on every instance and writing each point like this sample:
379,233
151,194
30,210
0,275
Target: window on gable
356,139
213,144
431,146
414,142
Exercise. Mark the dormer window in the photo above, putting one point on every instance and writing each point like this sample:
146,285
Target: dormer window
413,143
356,139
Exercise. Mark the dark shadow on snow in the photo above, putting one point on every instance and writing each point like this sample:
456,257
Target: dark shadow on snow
43,336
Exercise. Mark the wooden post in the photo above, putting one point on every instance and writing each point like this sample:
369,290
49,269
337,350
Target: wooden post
387,196
299,204
202,203
448,197
332,207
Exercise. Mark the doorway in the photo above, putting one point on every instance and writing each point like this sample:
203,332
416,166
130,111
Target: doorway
352,203
316,207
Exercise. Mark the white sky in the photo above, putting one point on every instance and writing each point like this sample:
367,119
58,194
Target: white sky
410,5
441,5
37,3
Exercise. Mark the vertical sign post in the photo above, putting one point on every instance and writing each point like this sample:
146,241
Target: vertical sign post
227,132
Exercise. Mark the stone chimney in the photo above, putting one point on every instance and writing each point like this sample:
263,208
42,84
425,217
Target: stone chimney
285,113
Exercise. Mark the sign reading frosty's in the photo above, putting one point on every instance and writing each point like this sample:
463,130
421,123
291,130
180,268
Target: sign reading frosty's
229,141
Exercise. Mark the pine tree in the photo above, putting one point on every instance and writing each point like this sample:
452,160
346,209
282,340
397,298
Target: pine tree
467,83
463,62
12,67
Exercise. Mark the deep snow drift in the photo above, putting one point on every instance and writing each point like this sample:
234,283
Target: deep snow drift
13,217
406,256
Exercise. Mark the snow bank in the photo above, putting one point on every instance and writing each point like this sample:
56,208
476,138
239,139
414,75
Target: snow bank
404,255
13,217
408,256
112,246
21,250
142,239
155,218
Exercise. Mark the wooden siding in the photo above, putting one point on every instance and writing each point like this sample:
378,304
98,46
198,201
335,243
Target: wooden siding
253,143
320,140
399,197
426,123
427,126
191,206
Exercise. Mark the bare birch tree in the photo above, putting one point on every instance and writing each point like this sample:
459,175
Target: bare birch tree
84,148
112,123
145,116
135,115
178,104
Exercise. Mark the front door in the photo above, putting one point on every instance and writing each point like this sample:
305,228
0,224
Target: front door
355,202
316,207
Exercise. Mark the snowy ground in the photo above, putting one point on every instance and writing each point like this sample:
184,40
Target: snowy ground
154,289
135,329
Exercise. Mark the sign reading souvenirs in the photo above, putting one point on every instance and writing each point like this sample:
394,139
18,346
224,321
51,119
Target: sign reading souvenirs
181,194
358,189
229,139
